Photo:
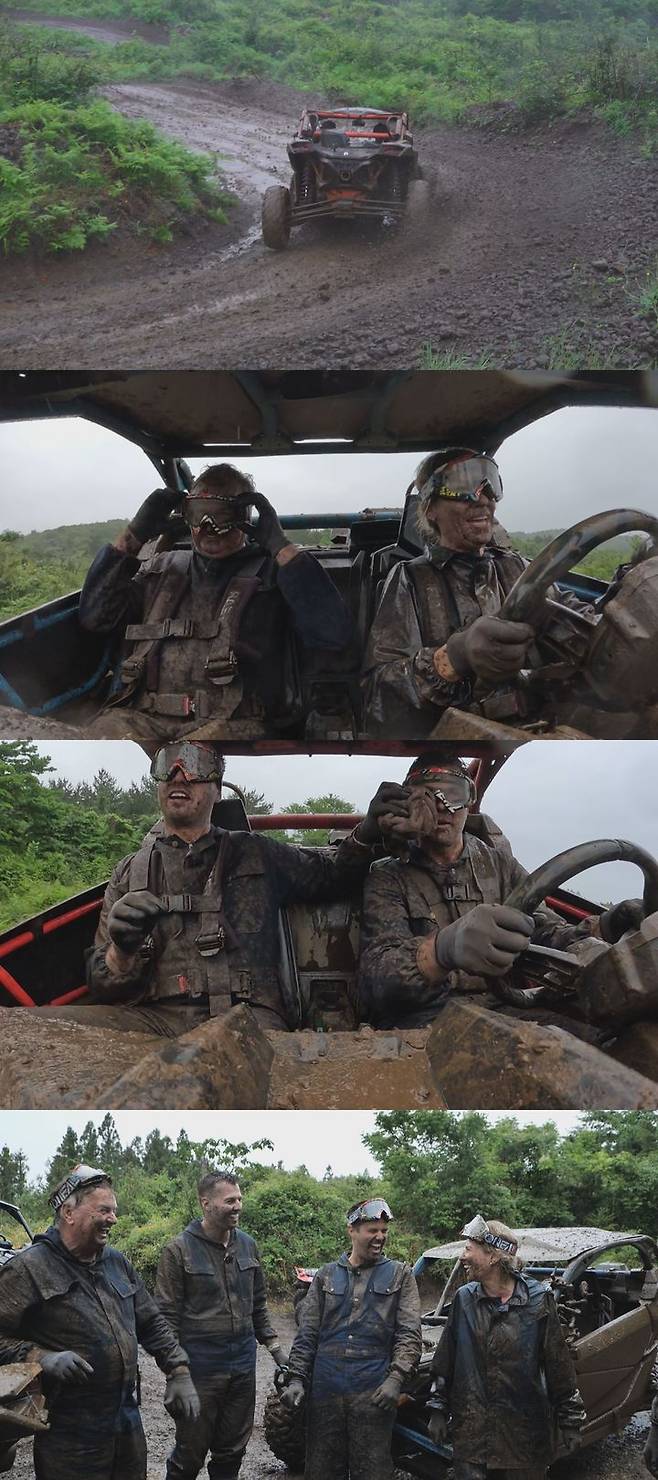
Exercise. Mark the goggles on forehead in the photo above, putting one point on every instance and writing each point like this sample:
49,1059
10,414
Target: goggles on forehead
374,1207
196,762
464,480
453,788
217,513
80,1176
478,1229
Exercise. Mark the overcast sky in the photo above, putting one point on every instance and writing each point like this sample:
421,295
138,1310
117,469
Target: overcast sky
548,796
562,468
311,1138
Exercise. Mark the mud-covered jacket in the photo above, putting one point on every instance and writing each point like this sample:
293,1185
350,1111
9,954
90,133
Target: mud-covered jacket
356,1326
506,1373
215,1299
408,898
223,943
422,603
50,1301
211,638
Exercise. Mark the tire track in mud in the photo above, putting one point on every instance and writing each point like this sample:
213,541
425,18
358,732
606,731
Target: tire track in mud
526,237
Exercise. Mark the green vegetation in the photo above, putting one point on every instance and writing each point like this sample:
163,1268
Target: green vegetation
437,1169
38,567
72,170
444,59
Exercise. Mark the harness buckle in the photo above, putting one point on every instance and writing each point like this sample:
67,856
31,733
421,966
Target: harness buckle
222,670
212,943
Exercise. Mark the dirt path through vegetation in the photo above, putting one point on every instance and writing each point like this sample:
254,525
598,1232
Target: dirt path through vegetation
535,251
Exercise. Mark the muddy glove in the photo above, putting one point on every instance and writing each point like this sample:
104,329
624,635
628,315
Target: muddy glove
485,942
614,923
267,530
181,1399
650,1454
278,1356
390,800
437,1425
152,516
132,918
292,1395
571,1415
65,1367
490,648
388,1392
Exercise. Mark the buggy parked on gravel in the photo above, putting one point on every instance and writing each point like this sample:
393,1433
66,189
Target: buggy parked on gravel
345,162
606,1288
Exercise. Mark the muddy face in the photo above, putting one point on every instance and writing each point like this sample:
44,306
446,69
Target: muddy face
368,1240
466,527
186,804
85,1229
216,535
221,1206
477,1260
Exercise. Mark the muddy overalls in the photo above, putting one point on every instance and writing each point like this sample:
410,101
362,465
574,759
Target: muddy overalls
357,1325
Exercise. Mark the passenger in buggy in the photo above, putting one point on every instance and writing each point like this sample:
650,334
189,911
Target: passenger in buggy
208,631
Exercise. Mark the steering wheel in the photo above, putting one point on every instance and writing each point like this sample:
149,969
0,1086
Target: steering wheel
563,966
528,602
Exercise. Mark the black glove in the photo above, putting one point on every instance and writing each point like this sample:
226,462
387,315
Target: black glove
181,1399
278,1356
485,942
388,798
65,1367
267,530
292,1395
132,918
491,648
437,1425
152,516
650,1455
614,923
388,1392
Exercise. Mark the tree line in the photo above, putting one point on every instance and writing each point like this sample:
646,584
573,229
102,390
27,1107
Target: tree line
436,1168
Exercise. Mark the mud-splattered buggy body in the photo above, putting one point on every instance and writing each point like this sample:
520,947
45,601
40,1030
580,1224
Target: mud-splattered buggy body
345,162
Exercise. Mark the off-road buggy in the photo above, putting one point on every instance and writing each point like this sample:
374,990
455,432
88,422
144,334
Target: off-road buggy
559,1032
593,675
346,162
22,1407
606,1288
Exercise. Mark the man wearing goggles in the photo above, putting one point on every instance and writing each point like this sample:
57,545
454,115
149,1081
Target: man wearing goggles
190,923
76,1306
358,1340
436,630
208,630
434,920
503,1375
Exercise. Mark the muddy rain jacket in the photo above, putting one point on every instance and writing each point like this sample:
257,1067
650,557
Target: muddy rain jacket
506,1373
422,603
409,898
356,1326
225,889
50,1301
208,638
215,1299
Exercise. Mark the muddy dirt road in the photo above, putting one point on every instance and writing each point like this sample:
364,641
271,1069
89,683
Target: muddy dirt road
535,248
619,1458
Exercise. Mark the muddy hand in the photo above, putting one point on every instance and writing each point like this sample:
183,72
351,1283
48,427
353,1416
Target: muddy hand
268,531
490,648
152,516
390,801
132,918
486,942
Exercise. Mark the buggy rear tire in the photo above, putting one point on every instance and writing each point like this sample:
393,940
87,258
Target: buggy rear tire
285,1432
276,217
